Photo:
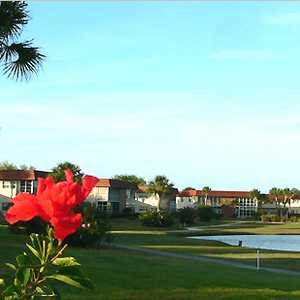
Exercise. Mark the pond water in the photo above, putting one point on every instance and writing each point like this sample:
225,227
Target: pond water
271,242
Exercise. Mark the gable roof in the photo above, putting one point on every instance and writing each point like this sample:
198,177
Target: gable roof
222,194
116,183
22,174
3,197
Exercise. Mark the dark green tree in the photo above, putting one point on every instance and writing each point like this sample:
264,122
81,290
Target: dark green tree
131,179
58,172
276,196
188,189
295,191
206,190
18,59
7,166
25,167
162,187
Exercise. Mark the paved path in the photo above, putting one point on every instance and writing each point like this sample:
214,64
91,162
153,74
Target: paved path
203,259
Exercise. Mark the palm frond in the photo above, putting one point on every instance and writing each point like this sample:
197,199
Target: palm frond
13,16
21,60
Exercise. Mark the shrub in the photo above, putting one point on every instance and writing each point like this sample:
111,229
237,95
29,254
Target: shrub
187,215
95,230
156,219
36,225
293,219
265,218
91,234
205,213
276,218
271,218
129,213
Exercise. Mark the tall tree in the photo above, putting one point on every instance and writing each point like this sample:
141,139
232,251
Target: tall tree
296,191
7,166
260,198
25,167
276,195
287,198
19,59
206,190
58,172
188,189
131,179
162,187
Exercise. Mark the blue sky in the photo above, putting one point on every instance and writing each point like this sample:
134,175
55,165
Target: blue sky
206,93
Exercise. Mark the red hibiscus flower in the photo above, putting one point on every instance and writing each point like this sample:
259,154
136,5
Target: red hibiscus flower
53,203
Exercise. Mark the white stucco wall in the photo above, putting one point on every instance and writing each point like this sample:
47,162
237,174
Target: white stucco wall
182,202
150,200
9,188
99,194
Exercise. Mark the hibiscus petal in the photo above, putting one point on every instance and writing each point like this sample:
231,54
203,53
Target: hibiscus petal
69,175
50,181
65,225
41,185
88,182
45,207
24,208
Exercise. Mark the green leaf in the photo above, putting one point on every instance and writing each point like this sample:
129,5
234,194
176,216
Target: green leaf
2,283
34,251
40,291
23,260
11,266
45,290
74,281
66,262
10,291
22,276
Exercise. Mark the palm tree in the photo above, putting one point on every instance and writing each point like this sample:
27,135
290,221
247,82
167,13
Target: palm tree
276,194
131,179
206,190
162,187
288,195
256,194
19,60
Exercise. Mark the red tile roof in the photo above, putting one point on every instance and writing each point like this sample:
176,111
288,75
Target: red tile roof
22,175
115,183
222,194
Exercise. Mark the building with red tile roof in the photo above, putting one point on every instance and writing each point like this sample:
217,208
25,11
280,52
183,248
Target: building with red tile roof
113,195
13,182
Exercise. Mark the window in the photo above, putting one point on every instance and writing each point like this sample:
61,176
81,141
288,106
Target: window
115,207
5,184
102,206
26,186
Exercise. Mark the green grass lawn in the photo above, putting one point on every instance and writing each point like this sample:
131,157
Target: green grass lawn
121,275
177,241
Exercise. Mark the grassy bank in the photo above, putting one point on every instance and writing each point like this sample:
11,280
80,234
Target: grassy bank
177,242
119,275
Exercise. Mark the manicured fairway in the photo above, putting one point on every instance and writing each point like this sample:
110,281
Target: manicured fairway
119,275
176,241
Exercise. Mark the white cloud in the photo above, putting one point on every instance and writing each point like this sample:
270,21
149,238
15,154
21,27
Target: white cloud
292,18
